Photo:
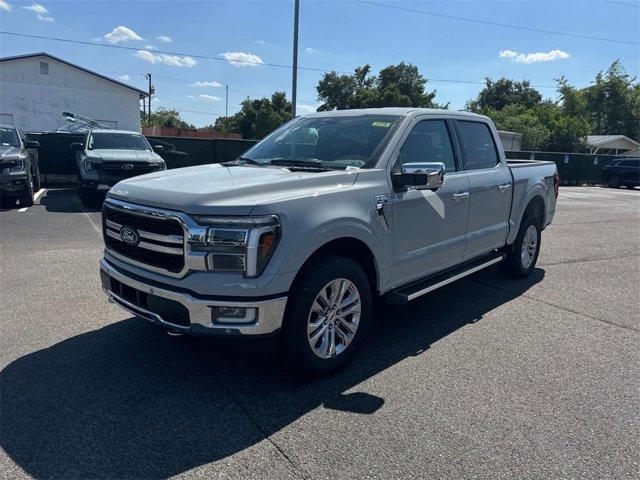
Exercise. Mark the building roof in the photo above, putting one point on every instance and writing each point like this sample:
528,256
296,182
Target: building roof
610,141
53,57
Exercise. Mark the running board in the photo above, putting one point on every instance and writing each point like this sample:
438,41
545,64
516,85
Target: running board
433,282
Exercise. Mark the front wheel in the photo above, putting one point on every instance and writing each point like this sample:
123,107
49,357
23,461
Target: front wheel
522,258
26,199
327,317
614,181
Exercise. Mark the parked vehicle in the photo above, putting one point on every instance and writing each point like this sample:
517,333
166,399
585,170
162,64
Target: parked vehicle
331,211
20,177
622,171
108,156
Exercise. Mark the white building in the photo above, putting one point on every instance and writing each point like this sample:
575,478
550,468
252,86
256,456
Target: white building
36,88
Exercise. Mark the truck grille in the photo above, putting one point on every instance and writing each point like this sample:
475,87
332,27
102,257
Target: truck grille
118,168
150,240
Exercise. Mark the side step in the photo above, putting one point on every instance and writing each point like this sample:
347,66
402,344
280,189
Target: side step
433,282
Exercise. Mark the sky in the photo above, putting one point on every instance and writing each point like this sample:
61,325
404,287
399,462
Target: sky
203,38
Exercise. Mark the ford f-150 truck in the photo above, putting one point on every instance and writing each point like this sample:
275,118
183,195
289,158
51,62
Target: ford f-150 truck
108,156
329,213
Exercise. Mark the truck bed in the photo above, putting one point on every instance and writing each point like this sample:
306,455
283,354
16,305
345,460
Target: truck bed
517,163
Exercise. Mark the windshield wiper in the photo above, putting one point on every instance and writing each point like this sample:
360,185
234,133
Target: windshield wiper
240,160
300,162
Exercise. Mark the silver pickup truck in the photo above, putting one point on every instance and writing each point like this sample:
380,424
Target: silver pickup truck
329,213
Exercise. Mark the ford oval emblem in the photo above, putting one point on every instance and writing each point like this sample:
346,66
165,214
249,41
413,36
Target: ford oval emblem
127,166
129,235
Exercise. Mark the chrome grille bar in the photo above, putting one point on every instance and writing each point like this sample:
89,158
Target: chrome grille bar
150,235
148,246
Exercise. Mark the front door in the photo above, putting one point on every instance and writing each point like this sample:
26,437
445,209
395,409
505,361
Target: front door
429,227
490,188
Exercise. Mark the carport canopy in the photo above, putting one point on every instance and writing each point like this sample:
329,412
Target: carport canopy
613,145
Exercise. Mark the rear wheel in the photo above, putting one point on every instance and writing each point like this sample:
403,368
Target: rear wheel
614,181
522,258
327,317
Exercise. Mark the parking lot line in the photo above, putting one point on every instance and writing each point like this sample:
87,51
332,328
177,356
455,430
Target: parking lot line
35,197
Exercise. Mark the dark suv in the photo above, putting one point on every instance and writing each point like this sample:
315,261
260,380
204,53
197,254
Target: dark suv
19,173
622,171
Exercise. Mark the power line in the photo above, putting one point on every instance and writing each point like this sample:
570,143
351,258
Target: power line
496,24
120,47
623,3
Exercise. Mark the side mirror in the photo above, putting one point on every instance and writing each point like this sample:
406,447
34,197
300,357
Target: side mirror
422,176
158,148
76,147
32,144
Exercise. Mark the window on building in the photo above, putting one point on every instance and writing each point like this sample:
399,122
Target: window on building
44,68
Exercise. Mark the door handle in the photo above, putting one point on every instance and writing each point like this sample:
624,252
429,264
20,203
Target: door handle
505,187
460,196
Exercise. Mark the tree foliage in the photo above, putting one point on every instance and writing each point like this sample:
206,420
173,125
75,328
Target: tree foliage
611,105
257,117
165,117
497,95
395,86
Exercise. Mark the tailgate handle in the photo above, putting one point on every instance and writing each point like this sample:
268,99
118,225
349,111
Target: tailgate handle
505,187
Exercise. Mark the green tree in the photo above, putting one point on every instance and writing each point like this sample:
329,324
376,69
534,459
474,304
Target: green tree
497,95
257,117
611,105
395,86
165,117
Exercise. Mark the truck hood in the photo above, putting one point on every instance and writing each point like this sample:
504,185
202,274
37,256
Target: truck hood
226,190
7,151
123,155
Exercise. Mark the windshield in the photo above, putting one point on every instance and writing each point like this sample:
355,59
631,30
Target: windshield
9,137
328,142
118,141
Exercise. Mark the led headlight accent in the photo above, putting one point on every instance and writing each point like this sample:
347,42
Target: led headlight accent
238,244
19,166
89,166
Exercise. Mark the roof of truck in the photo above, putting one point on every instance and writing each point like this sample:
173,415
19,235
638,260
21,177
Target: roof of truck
108,130
395,111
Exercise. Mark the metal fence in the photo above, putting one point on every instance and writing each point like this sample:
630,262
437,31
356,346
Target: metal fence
574,168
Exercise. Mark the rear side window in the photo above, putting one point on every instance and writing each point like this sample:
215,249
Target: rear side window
629,163
478,145
429,141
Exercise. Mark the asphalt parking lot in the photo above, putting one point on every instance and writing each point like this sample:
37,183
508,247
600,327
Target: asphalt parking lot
485,378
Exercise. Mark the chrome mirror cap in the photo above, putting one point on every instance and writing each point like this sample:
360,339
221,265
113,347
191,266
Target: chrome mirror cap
424,176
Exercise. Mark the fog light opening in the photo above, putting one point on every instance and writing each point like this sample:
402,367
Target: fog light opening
230,315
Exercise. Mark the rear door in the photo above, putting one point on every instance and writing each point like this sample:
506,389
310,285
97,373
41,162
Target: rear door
490,187
429,227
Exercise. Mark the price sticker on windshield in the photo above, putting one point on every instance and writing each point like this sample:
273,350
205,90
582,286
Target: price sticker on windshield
381,124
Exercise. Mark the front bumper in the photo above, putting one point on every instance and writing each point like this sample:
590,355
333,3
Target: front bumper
14,183
195,314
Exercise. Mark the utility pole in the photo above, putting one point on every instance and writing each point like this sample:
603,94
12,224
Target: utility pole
294,79
226,114
148,76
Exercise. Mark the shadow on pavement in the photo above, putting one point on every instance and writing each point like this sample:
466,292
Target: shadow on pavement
128,401
67,200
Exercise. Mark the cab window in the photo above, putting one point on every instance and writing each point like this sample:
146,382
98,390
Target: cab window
429,141
478,146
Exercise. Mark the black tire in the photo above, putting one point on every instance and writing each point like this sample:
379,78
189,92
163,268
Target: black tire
88,198
513,266
26,198
36,181
296,348
614,181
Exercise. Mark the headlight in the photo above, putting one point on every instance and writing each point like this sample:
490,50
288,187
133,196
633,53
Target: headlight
89,166
239,244
19,166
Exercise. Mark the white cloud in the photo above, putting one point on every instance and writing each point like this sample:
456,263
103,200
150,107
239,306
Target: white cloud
41,12
149,47
124,77
121,34
212,83
171,60
164,39
242,59
310,50
210,98
5,6
261,42
304,108
550,56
